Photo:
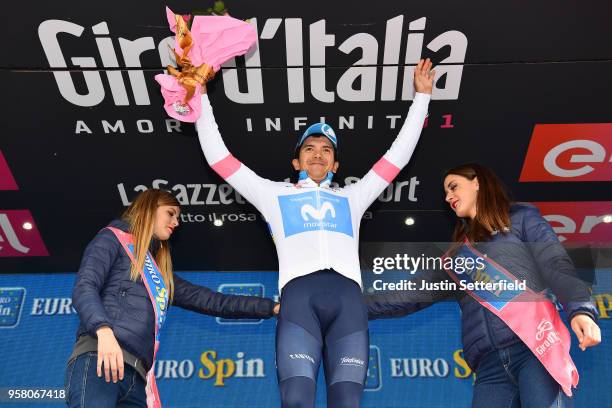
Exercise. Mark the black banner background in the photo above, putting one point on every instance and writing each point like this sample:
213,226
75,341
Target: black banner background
525,64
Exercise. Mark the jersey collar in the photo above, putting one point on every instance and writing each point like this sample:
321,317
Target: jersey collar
305,181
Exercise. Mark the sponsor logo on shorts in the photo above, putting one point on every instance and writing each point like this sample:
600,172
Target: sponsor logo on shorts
300,356
352,361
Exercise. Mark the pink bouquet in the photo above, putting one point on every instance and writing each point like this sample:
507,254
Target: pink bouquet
200,53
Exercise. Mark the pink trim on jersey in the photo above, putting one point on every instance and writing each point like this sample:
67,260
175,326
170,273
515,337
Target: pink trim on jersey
385,169
226,167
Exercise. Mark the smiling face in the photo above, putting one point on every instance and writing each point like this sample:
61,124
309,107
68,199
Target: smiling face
166,220
461,194
316,157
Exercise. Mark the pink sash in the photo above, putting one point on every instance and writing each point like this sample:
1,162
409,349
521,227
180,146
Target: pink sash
530,315
158,294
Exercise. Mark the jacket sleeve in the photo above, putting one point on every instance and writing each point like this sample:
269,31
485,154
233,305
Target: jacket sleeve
206,301
96,264
392,304
398,303
556,266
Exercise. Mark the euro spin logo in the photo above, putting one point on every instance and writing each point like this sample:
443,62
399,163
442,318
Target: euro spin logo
223,368
374,374
313,211
11,304
241,289
604,305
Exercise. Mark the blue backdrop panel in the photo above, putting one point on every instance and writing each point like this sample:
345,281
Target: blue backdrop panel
203,361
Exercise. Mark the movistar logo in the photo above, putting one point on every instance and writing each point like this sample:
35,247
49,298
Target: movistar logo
312,211
309,210
328,131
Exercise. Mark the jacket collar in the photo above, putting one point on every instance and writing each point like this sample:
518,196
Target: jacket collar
124,226
120,224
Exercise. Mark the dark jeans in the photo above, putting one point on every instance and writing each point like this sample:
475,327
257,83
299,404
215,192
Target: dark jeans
84,389
513,377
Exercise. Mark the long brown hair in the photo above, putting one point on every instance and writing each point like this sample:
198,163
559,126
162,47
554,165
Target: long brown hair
492,205
141,217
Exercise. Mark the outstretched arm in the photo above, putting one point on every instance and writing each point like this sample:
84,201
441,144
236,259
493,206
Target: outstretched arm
243,179
398,155
204,300
398,303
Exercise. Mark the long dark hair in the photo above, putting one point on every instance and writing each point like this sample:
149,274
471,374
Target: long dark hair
492,205
141,217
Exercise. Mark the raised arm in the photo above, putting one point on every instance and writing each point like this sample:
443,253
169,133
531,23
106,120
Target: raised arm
243,179
386,169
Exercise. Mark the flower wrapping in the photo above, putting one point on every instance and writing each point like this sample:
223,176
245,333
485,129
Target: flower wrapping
212,41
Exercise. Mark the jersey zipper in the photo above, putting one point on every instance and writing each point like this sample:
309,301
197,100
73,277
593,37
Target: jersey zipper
325,247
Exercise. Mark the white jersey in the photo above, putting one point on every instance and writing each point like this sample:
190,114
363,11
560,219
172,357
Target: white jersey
314,226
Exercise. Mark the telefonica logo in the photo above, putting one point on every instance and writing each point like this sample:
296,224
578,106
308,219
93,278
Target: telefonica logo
359,82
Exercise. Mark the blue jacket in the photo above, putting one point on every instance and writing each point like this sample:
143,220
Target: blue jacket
104,295
543,262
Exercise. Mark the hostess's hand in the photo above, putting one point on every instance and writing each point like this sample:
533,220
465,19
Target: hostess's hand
276,309
586,330
424,76
109,355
